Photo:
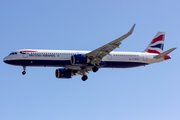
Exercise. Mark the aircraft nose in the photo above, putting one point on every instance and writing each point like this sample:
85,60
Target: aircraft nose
5,59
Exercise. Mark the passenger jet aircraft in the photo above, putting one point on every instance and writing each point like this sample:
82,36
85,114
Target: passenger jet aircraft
81,62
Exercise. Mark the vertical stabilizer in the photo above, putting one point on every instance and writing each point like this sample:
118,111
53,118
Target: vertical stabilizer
157,44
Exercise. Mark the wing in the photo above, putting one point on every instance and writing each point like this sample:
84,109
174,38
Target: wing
97,55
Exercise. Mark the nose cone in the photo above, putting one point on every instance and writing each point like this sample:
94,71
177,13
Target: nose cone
6,60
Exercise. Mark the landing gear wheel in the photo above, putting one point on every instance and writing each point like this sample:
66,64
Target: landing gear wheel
24,72
84,77
95,69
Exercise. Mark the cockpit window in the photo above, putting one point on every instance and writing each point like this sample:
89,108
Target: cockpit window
13,53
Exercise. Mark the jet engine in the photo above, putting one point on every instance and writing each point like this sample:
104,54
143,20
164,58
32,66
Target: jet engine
63,73
79,59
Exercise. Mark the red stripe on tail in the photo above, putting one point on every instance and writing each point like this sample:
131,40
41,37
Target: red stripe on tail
159,38
153,51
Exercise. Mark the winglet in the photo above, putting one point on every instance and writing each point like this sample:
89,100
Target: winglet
164,53
131,30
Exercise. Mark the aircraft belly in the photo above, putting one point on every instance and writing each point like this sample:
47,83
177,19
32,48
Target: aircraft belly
121,64
39,62
63,63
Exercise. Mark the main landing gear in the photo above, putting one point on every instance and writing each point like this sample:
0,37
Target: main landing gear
24,72
95,69
84,77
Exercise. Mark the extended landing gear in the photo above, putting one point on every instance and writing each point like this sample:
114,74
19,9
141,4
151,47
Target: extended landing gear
84,77
95,69
24,72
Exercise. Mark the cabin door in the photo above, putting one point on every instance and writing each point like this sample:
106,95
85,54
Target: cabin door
144,56
25,54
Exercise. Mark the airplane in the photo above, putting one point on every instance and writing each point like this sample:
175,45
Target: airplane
81,62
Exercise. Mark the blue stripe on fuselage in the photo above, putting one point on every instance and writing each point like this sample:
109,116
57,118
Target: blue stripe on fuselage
61,63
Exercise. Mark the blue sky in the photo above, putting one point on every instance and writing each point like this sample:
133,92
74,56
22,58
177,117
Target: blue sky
150,92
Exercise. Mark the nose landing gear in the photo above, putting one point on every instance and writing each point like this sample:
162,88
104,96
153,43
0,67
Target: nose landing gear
24,72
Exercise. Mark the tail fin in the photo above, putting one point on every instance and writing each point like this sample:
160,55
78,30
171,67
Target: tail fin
157,44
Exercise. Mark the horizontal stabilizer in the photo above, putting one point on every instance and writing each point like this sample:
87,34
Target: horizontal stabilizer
164,53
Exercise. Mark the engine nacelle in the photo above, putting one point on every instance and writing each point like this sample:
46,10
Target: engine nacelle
79,59
63,73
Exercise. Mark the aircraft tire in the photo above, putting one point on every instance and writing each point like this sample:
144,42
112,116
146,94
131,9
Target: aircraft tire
84,77
95,69
24,72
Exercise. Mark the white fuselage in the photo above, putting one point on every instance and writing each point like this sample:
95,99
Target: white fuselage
61,58
81,62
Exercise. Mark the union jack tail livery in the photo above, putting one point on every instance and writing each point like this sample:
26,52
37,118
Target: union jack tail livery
157,44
